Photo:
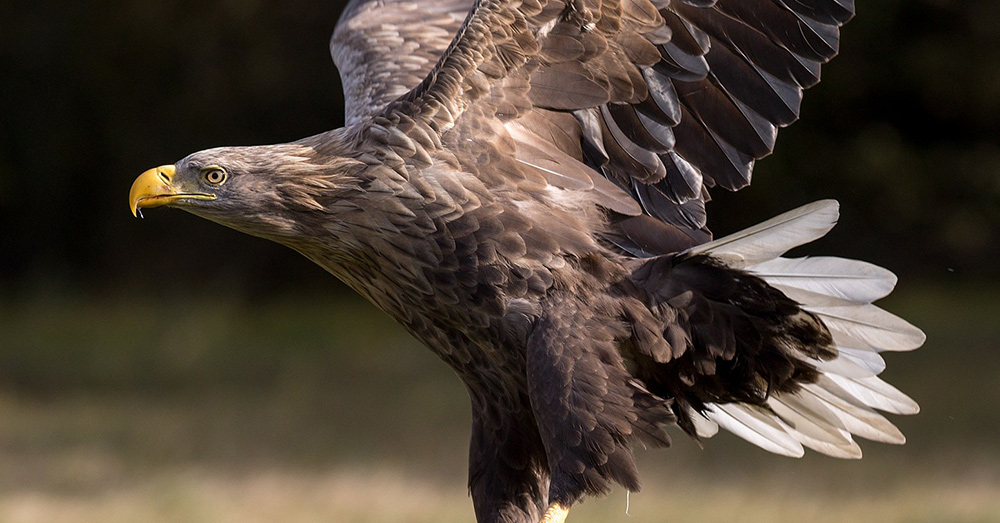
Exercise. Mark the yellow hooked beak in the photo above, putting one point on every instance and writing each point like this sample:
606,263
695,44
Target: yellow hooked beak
154,188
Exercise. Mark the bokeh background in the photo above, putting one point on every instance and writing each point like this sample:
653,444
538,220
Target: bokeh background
168,369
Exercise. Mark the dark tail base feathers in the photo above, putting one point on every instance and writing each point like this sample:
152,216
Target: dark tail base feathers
740,339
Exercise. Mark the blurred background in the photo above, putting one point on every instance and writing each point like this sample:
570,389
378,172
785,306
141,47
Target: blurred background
168,369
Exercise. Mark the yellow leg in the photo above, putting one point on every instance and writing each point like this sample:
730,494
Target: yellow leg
555,514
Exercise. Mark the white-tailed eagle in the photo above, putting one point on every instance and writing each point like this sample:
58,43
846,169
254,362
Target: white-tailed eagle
522,185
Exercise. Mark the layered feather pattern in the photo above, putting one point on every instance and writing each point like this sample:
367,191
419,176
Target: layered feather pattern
669,98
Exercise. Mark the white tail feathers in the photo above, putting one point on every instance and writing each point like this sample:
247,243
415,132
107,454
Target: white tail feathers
756,426
823,415
869,325
770,239
830,281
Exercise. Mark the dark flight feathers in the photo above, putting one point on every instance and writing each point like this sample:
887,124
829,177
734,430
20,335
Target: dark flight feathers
670,97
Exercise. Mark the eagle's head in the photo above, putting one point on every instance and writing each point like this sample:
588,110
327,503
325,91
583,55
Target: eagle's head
277,192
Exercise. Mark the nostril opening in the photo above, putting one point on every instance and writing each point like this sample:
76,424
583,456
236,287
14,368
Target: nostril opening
163,176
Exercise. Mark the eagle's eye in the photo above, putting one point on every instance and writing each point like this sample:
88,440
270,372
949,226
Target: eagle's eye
214,175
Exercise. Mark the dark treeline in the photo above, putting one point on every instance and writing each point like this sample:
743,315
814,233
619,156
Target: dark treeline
903,131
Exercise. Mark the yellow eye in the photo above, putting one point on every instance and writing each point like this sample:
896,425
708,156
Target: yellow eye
214,175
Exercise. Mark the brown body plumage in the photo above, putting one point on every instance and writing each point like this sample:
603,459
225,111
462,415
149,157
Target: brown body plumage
519,202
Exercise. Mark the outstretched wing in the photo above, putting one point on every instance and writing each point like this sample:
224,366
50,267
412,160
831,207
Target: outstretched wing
645,102
384,48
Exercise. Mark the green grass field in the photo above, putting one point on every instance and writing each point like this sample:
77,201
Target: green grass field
313,409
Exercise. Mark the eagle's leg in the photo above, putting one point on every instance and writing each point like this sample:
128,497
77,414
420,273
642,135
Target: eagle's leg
508,479
555,514
585,403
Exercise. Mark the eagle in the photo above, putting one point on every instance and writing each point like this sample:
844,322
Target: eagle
521,184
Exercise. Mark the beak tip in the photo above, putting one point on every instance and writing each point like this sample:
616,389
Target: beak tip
152,183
